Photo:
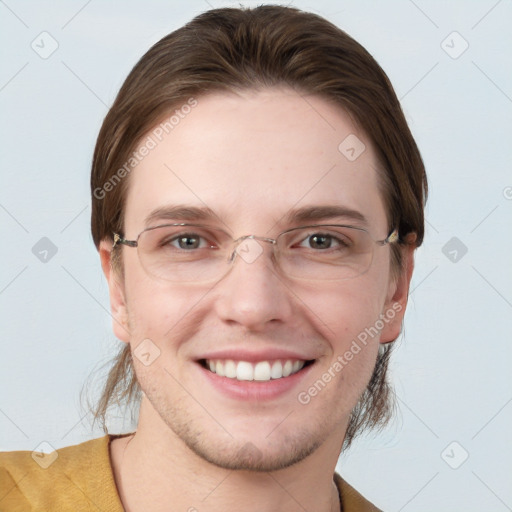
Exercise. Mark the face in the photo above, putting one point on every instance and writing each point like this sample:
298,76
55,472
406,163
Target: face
254,159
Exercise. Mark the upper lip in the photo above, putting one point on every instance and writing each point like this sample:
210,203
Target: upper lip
237,354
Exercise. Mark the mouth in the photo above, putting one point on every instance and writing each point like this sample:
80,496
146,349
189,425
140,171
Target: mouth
257,371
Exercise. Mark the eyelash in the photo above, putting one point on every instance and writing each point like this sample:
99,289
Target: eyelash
340,243
179,236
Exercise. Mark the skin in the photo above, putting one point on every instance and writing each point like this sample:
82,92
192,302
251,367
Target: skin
251,158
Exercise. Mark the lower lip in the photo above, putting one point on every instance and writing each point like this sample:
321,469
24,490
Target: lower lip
253,389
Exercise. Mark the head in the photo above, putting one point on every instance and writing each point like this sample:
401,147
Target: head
248,112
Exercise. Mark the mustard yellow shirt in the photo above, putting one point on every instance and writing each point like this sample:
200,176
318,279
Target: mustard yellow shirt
81,479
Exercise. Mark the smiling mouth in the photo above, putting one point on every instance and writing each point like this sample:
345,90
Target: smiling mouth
261,371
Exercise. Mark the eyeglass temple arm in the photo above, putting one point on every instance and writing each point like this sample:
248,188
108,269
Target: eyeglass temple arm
391,238
120,240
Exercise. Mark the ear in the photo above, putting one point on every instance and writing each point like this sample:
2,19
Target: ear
116,292
398,292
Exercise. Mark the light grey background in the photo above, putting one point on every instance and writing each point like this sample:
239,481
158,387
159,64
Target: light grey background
452,369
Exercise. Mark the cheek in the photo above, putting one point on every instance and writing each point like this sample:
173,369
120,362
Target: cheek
342,312
158,310
354,339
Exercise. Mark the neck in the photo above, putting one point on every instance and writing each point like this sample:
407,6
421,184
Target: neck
154,468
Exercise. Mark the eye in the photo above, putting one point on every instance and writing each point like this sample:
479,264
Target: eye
323,241
188,241
185,241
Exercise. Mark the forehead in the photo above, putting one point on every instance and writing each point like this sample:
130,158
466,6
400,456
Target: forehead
251,159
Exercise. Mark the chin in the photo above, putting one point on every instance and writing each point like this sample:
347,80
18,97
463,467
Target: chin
248,457
243,444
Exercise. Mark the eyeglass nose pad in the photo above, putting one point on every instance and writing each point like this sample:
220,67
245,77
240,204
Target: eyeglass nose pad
252,248
236,245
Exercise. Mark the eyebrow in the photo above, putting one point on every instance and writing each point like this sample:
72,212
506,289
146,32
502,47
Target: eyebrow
317,213
180,213
295,216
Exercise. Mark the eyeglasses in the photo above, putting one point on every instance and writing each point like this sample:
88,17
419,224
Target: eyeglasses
197,253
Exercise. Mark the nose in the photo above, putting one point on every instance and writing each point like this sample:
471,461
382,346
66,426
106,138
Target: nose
253,294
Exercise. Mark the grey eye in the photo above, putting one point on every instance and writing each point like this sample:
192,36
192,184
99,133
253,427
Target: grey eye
318,241
188,241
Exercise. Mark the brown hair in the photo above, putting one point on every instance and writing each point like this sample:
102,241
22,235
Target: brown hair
232,49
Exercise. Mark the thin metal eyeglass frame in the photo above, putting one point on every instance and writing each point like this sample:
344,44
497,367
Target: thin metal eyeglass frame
119,240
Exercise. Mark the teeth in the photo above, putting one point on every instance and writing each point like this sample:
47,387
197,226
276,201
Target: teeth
230,369
219,368
244,371
277,370
261,371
